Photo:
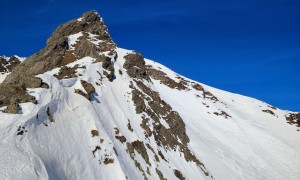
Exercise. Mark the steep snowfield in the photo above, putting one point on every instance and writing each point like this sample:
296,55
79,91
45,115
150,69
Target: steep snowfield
250,144
103,112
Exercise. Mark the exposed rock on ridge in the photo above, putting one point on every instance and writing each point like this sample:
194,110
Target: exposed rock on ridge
8,63
135,66
56,54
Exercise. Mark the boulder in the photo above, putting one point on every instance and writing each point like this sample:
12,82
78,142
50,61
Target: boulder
135,66
13,107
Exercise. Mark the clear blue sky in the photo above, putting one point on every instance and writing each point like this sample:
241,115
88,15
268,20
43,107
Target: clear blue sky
250,47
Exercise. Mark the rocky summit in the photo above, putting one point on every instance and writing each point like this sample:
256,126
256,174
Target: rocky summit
84,108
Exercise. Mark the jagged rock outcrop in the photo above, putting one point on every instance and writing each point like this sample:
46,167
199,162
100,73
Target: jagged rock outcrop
163,78
135,66
293,118
58,53
8,63
3,62
13,106
89,88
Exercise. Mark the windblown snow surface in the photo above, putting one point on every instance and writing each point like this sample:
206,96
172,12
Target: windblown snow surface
250,144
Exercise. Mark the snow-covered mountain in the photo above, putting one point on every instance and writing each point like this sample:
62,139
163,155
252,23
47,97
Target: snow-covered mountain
83,108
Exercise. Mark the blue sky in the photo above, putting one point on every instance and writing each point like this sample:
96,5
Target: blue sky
249,47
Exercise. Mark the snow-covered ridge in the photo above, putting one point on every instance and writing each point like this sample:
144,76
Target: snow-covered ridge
20,58
8,58
5,57
225,146
111,114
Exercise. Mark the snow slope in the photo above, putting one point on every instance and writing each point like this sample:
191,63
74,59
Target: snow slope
3,76
250,145
67,136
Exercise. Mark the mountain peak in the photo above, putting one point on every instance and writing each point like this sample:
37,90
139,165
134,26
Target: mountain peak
89,22
91,13
108,113
73,40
